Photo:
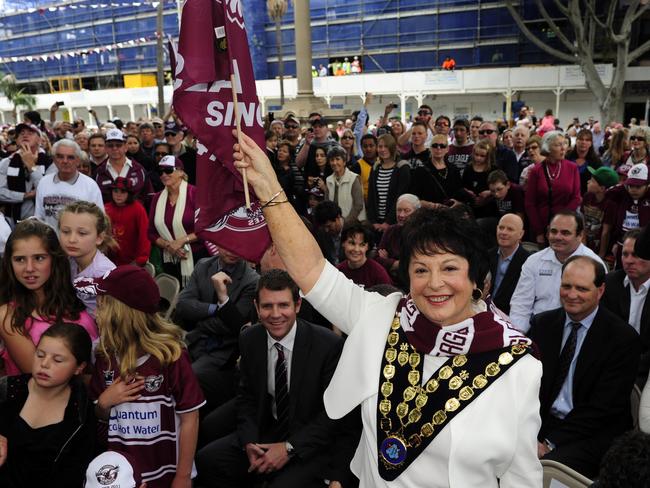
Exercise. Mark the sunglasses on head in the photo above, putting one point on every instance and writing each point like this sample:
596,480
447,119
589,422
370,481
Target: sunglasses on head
437,145
486,132
424,112
166,170
637,138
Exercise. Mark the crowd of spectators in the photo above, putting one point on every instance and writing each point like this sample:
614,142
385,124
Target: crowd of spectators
123,194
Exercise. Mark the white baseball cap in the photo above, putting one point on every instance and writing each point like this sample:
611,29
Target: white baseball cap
111,468
638,175
114,135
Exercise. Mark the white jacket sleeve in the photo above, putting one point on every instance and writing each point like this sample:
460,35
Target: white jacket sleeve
521,303
644,409
339,300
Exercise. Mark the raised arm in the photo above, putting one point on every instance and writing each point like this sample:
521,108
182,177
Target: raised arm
295,244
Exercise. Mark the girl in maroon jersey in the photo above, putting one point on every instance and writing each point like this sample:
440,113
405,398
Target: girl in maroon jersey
143,380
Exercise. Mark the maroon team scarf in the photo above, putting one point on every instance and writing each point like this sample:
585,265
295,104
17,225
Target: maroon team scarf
485,331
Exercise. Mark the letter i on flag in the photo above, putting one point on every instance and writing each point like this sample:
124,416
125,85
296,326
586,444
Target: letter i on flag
213,46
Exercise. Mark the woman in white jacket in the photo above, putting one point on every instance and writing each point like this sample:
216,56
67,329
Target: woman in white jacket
447,388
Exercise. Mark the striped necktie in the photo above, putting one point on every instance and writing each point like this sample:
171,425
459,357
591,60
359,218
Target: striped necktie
566,357
281,393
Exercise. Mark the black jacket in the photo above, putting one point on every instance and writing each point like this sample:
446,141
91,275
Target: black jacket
74,449
509,282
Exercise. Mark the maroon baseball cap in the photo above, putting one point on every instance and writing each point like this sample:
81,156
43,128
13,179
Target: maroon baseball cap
129,284
122,183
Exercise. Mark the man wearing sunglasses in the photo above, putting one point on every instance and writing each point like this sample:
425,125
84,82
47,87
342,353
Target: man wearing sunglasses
505,158
174,135
424,115
292,130
119,165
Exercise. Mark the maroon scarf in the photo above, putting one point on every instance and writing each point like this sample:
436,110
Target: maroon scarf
485,331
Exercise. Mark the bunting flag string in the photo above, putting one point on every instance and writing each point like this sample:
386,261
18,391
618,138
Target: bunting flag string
78,52
82,6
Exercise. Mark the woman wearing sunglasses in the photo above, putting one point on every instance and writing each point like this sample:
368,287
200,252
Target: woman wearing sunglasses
171,220
639,137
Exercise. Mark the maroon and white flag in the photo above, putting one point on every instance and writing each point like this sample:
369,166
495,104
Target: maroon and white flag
212,46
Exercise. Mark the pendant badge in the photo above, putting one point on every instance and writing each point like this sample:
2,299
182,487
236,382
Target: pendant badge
393,451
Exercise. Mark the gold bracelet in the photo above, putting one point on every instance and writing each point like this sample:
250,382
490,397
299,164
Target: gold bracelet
267,204
275,203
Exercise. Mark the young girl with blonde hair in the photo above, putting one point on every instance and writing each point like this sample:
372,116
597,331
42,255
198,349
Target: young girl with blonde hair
85,233
143,381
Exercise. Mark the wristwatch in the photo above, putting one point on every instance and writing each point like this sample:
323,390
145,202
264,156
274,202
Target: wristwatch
290,450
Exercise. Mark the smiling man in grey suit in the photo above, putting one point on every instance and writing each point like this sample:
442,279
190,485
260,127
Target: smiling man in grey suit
283,436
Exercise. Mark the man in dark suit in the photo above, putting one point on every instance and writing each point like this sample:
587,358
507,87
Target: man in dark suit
283,436
626,294
215,303
506,260
589,358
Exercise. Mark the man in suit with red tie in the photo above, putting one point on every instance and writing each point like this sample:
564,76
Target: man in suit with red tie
283,435
590,359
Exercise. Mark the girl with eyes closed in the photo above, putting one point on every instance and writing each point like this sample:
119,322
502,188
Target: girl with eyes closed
47,424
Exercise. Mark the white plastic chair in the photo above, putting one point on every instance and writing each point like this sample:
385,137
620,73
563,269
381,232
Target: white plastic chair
169,288
151,269
557,475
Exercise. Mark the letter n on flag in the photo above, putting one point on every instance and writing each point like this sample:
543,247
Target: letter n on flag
212,46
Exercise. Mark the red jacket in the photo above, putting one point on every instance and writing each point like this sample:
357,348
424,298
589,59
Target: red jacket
130,224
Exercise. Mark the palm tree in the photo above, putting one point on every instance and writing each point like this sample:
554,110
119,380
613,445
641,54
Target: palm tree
277,9
16,95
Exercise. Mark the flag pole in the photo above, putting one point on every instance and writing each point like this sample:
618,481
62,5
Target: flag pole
247,195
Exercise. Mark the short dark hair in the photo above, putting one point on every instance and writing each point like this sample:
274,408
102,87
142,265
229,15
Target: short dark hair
355,228
269,134
631,234
627,462
579,220
158,144
326,211
76,338
368,136
464,122
420,124
443,117
599,270
444,230
97,136
497,176
277,280
477,118
425,106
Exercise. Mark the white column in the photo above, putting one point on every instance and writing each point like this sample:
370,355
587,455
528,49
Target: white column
302,29
132,112
420,98
558,93
149,111
402,99
2,117
110,112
